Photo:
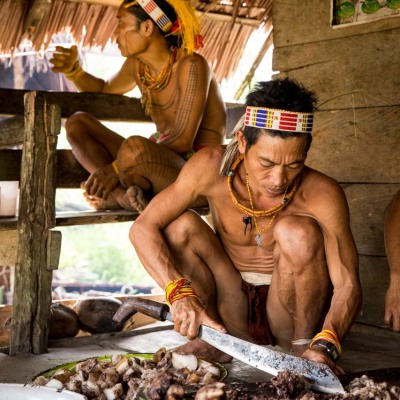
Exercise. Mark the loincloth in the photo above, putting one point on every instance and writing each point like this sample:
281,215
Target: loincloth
257,295
158,137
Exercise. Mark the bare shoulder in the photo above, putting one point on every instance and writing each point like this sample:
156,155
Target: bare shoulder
190,61
323,193
203,168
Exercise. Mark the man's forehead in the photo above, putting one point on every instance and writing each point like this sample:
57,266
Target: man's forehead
124,14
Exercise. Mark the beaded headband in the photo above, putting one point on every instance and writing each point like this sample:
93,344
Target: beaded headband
187,25
154,12
281,120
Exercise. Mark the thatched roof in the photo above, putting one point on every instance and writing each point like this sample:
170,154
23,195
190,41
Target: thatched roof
226,26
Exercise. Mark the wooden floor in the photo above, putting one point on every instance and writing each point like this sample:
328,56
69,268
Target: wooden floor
362,352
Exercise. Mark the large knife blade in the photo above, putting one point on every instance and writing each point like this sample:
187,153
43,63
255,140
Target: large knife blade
271,361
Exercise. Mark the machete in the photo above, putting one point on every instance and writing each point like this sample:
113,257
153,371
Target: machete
320,375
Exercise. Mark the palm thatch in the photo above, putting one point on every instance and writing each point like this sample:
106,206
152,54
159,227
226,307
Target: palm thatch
226,26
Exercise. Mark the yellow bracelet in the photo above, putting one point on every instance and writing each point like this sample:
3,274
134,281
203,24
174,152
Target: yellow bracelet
114,166
76,72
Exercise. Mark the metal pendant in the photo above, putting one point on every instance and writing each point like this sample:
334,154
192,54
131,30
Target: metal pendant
259,239
247,221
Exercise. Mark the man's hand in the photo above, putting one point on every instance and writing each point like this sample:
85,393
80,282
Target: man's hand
321,356
101,182
188,314
64,59
392,307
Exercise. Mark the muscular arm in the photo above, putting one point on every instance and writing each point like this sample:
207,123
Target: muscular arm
342,261
392,244
120,83
194,77
147,237
146,233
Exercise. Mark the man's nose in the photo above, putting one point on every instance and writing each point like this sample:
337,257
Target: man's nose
278,178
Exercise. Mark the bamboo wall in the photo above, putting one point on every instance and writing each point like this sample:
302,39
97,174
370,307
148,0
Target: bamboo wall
354,70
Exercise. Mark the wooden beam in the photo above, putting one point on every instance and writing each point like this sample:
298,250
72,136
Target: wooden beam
33,20
215,16
100,105
32,289
12,131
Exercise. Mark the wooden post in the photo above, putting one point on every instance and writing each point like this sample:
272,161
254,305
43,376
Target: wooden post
32,290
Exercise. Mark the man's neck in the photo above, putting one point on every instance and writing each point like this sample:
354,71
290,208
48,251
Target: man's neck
156,57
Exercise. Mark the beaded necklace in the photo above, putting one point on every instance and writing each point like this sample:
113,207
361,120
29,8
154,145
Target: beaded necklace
155,84
250,213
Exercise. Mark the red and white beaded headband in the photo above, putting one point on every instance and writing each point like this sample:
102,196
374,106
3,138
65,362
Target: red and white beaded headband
281,120
154,12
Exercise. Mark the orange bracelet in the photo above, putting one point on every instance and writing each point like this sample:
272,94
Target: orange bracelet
178,289
330,336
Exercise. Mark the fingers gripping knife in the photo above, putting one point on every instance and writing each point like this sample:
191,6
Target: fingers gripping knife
265,359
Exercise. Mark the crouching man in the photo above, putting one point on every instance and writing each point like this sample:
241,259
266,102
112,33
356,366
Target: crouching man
280,266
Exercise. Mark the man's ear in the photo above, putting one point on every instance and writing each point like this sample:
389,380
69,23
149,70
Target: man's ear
241,141
147,27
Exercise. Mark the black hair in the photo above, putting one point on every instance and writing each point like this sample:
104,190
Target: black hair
281,94
141,15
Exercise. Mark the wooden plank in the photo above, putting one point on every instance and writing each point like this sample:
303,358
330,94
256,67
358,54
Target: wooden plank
96,339
346,73
12,131
32,289
94,217
53,250
100,105
374,276
292,23
367,204
358,146
70,173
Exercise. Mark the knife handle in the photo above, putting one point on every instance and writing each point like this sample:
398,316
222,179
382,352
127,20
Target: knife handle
152,308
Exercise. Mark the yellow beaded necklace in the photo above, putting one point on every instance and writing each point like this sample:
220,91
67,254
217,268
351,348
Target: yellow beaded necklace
250,213
155,84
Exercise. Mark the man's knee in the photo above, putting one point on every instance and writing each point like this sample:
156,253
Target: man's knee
299,236
76,123
133,147
180,232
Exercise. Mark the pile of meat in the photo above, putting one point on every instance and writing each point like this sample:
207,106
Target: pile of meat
173,376
167,376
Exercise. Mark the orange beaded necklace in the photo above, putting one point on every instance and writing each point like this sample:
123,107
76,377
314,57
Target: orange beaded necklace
250,213
155,84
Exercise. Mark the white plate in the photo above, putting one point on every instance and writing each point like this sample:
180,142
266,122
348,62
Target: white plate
15,391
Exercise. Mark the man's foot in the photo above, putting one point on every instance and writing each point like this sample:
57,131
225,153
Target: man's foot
200,348
99,204
134,199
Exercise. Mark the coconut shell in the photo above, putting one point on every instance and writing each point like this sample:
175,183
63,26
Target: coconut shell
63,322
96,315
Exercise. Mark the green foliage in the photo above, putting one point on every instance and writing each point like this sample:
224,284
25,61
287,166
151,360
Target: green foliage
101,253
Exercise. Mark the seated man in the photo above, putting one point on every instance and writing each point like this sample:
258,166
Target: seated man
282,266
179,92
392,244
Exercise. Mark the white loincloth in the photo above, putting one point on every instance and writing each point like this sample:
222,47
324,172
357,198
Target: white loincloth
256,279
